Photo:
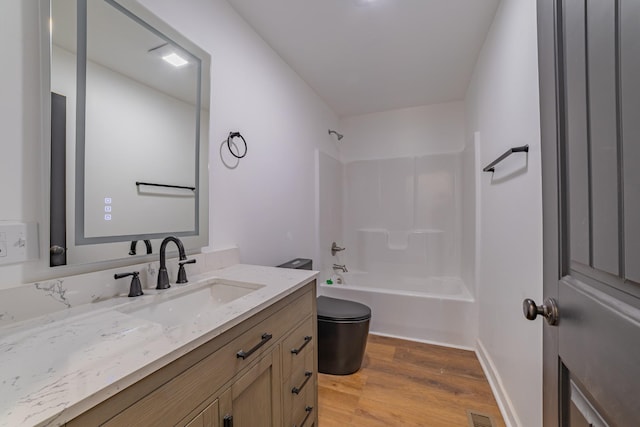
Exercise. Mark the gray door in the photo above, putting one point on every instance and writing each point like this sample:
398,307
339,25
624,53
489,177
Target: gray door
590,115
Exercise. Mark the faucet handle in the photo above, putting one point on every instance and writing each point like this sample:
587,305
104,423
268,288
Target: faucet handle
182,274
135,290
335,248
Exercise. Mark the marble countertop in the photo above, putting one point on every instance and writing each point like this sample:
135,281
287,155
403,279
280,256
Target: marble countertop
57,366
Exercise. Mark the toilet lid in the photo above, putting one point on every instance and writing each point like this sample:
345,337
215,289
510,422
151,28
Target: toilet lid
340,309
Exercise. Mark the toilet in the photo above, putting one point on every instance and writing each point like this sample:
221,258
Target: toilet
343,328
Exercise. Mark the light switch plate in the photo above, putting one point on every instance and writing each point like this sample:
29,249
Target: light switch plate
18,242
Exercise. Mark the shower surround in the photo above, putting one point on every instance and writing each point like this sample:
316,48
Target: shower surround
401,224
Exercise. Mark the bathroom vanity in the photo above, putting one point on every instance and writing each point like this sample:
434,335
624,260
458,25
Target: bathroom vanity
162,359
217,385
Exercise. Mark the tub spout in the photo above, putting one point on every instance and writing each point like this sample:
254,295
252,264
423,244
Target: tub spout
342,267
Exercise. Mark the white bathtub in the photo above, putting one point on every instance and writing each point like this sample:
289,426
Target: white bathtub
438,310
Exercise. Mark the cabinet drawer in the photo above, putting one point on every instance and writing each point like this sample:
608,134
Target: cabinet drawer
300,388
296,346
304,413
172,401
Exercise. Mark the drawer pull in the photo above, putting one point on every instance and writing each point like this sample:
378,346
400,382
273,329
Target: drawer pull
227,421
243,355
297,390
307,340
308,410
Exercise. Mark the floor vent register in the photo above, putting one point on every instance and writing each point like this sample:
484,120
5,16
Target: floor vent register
479,420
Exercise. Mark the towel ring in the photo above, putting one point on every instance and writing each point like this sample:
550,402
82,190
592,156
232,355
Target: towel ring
230,138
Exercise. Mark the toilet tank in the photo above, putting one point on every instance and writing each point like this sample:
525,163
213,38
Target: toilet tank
298,264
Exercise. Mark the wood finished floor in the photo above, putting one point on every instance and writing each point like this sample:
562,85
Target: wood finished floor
405,383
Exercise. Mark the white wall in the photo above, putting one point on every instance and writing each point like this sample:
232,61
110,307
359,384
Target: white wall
266,205
20,121
503,106
407,132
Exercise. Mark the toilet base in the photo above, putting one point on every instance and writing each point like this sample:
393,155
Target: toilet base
341,345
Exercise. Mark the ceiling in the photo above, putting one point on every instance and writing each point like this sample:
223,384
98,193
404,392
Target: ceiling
364,56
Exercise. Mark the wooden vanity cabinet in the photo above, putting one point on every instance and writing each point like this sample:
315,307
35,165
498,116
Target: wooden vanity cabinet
212,386
254,399
208,417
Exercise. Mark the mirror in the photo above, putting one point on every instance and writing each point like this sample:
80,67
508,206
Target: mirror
130,111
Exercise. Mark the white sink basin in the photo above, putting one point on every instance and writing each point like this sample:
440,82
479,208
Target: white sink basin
192,304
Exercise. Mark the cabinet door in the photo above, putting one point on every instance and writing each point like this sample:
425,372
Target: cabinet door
254,400
209,417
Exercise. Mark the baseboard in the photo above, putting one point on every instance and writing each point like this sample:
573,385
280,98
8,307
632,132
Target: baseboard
504,403
441,344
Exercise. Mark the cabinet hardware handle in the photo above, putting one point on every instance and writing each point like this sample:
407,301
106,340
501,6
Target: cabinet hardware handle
297,390
308,410
227,421
243,355
307,340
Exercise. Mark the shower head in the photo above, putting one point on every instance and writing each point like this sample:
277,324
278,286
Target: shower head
338,135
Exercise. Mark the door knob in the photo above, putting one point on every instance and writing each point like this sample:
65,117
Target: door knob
57,250
549,310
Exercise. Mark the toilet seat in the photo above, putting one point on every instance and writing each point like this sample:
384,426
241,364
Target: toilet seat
339,310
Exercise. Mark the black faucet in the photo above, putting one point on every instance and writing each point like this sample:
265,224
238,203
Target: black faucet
147,243
182,274
163,277
135,290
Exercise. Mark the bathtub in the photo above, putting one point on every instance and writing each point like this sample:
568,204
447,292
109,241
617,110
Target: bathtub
436,310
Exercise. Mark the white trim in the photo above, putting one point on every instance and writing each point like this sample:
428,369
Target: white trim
317,253
478,217
438,343
465,296
502,398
